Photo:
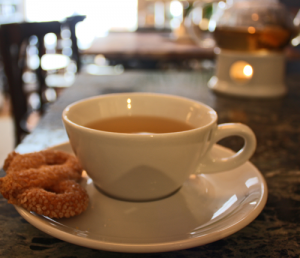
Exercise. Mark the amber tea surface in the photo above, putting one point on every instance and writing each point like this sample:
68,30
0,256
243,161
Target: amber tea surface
139,125
252,39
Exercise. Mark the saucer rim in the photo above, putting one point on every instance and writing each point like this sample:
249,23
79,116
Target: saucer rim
216,235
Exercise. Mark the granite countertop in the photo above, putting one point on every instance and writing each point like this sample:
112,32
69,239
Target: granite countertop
276,123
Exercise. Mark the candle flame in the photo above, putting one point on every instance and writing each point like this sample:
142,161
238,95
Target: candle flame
248,71
241,71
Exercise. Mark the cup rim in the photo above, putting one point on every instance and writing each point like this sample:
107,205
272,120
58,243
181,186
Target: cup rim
139,136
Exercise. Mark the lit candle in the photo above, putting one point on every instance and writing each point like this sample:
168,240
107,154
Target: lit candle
241,71
129,103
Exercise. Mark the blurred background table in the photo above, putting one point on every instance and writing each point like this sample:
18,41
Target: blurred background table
146,45
276,123
146,50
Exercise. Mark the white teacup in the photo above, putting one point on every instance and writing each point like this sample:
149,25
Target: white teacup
143,167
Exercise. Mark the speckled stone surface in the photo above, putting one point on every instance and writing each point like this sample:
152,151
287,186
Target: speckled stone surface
276,123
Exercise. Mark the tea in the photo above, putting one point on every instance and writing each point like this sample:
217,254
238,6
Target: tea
251,39
140,125
135,167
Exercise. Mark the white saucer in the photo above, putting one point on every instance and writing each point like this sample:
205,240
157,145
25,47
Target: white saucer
207,208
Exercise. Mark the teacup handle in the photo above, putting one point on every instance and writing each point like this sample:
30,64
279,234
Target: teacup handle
210,164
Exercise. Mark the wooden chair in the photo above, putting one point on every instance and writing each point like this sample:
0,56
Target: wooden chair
13,42
71,22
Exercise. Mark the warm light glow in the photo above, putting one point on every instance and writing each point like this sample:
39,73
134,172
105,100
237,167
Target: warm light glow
203,24
129,106
255,16
241,71
128,101
248,71
84,174
251,30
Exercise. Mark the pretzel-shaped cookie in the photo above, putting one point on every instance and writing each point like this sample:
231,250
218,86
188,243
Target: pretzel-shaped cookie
44,182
